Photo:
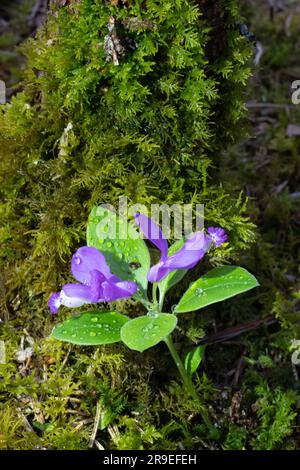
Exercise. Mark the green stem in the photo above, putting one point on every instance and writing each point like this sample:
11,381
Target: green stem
188,382
161,302
154,292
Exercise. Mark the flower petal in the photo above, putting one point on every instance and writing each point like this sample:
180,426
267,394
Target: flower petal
158,272
81,292
87,259
54,302
72,295
153,233
190,254
217,235
117,290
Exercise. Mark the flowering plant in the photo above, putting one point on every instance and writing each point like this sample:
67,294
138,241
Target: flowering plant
111,268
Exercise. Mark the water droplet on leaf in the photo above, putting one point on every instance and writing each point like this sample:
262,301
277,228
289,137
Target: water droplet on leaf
198,292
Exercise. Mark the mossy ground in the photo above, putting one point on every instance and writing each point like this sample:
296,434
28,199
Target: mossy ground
247,382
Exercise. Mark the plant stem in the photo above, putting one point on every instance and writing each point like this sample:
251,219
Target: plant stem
154,293
188,382
161,302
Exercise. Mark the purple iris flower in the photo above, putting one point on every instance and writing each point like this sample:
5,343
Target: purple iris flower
97,283
187,257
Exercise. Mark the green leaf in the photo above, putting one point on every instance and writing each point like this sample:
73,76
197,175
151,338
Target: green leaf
144,332
127,255
175,276
91,328
193,359
218,284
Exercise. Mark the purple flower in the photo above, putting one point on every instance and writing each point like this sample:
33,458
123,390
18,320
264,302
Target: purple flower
217,235
187,257
97,283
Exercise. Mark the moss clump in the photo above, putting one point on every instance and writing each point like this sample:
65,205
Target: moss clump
83,131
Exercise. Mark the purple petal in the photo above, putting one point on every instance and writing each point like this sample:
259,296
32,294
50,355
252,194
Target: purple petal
217,235
54,302
117,290
72,295
153,233
190,254
76,295
87,259
158,272
88,294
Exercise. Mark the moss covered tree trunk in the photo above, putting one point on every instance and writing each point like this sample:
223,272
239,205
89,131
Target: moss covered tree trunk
134,98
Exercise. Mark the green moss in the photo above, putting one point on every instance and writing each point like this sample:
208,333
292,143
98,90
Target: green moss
151,129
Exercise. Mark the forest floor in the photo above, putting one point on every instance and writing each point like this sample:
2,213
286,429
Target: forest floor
248,379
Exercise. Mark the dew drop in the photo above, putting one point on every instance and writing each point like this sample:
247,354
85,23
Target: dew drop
77,260
198,292
109,244
65,332
105,228
94,319
152,313
92,333
73,335
122,244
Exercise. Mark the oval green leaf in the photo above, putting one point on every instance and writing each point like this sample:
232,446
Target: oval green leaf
91,328
125,251
217,285
193,359
144,332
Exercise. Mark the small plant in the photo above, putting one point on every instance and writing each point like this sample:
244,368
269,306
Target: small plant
112,268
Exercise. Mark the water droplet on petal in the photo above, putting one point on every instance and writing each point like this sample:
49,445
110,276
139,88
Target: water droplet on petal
77,260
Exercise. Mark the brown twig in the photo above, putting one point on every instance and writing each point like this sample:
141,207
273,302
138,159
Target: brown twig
229,333
96,424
